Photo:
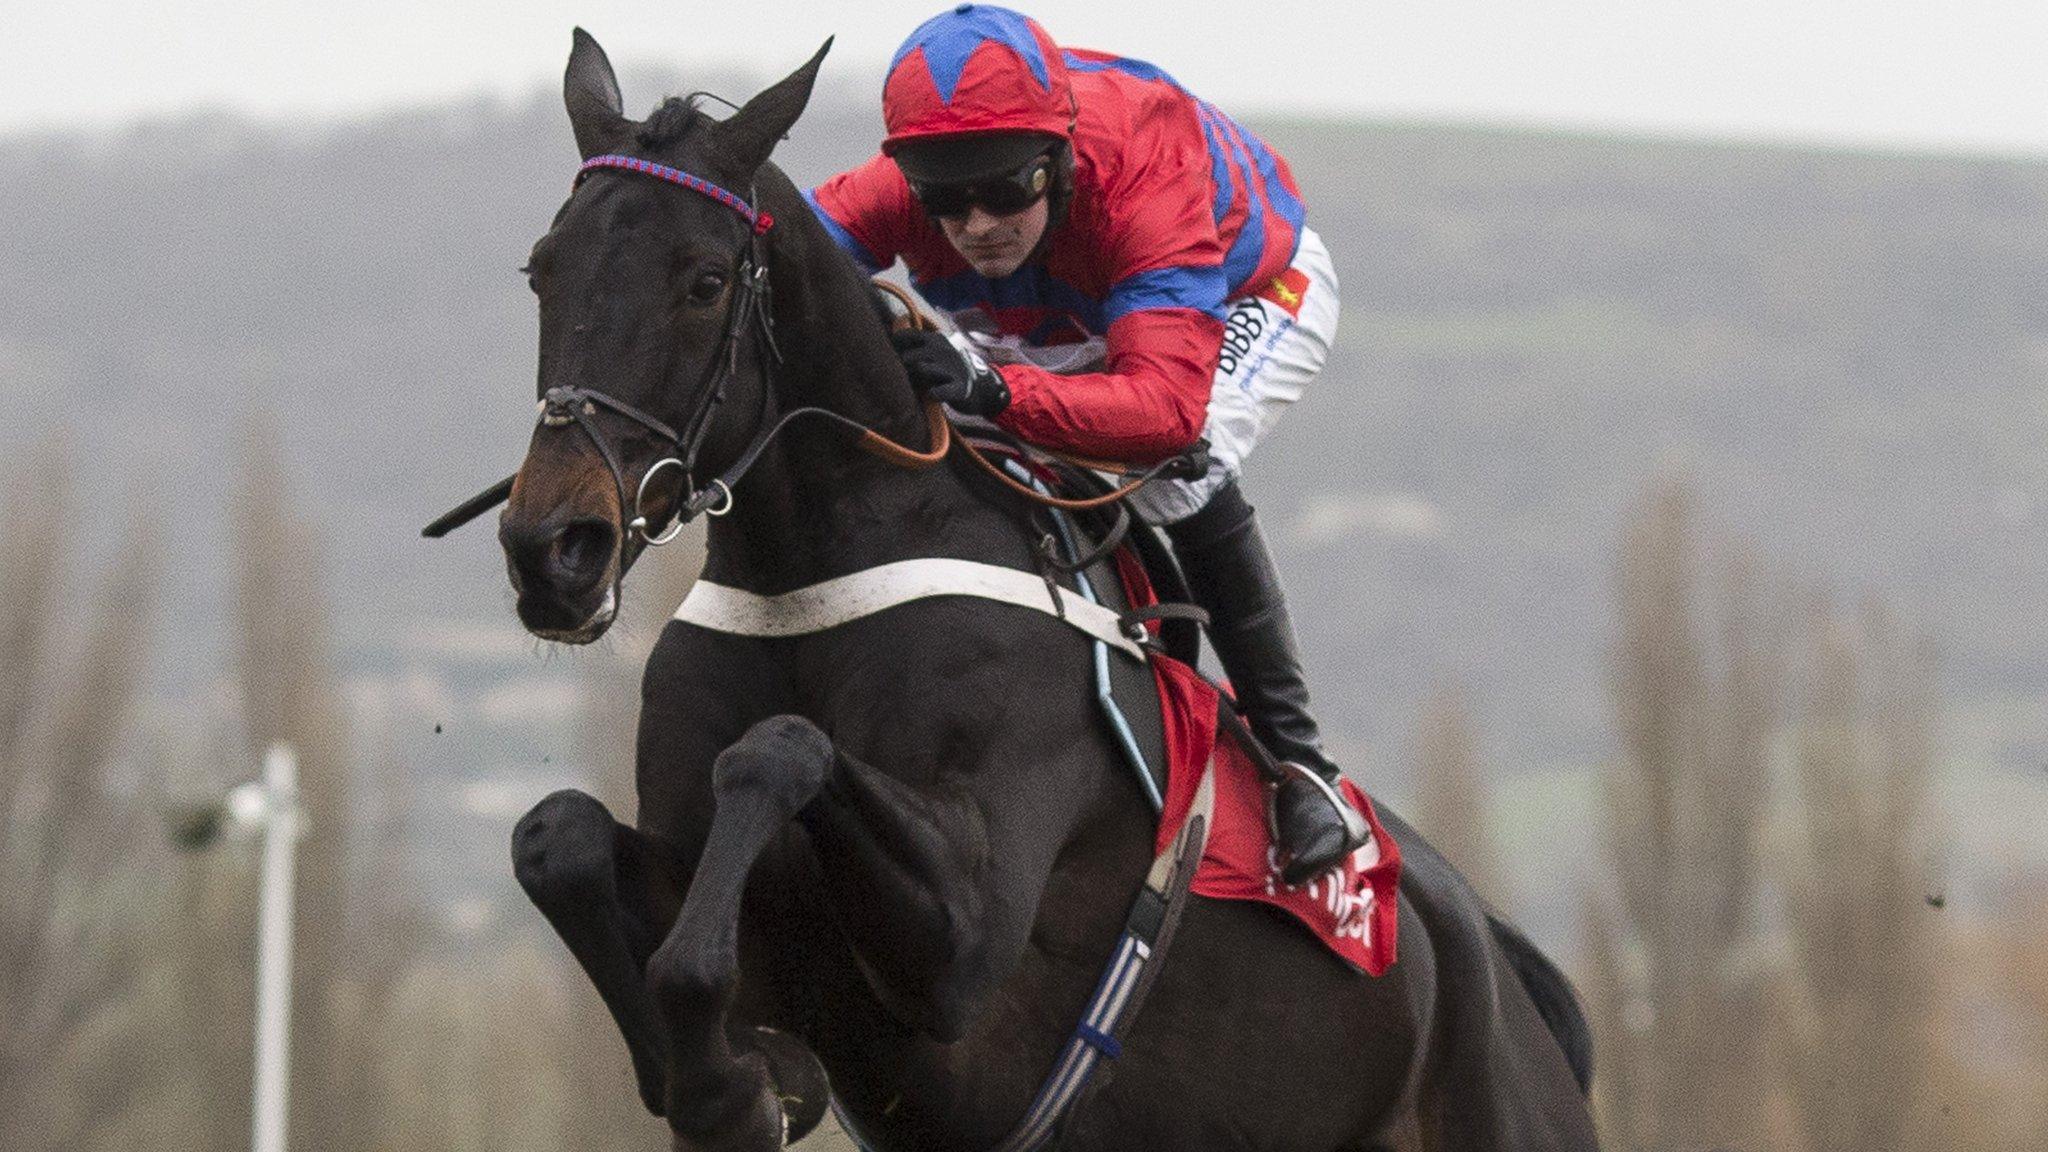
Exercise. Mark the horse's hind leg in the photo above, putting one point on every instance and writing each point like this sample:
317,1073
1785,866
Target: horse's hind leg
719,1097
611,894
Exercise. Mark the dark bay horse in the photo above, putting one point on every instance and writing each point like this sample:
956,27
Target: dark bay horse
898,851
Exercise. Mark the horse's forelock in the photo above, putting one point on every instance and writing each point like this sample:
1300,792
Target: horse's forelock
670,122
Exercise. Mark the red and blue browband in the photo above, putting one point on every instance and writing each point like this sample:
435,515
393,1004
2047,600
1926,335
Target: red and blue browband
759,221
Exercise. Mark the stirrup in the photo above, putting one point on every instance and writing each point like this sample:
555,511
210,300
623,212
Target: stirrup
1355,829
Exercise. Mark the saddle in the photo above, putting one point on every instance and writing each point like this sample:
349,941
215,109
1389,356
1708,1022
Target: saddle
1127,564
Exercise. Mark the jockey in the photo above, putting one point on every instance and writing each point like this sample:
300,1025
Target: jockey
1137,269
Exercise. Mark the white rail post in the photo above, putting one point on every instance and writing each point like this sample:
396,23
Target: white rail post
281,825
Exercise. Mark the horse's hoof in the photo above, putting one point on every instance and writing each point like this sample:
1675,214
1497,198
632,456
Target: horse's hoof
761,1127
799,1080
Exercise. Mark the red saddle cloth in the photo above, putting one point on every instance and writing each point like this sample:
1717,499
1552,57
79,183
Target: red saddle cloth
1353,908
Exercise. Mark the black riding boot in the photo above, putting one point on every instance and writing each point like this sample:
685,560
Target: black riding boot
1224,557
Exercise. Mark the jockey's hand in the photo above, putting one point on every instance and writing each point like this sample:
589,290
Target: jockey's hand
1192,464
951,372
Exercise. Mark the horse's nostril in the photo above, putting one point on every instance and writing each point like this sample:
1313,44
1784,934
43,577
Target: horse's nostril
583,548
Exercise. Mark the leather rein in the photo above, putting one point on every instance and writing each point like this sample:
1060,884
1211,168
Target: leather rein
751,312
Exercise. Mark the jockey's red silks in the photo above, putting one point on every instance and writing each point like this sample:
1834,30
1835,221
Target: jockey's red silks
1353,909
1178,209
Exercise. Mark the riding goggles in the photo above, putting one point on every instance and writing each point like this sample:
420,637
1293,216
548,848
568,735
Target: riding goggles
1002,195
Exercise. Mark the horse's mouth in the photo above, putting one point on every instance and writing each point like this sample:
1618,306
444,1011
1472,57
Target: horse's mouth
592,626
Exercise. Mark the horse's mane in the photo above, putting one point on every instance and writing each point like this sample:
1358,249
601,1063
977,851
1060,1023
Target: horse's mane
672,120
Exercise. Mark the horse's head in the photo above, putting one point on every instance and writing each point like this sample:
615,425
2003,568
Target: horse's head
651,350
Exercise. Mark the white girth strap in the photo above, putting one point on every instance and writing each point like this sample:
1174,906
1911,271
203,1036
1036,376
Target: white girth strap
850,597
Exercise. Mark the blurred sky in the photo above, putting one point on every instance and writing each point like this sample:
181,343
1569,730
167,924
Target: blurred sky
1949,74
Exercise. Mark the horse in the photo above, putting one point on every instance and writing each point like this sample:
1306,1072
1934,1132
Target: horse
888,860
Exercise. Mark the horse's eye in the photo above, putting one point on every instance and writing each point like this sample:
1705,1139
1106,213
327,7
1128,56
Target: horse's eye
706,288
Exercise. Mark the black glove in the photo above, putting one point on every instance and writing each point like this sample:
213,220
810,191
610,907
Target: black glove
945,372
1192,464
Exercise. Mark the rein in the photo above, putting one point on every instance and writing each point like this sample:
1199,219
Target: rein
1174,465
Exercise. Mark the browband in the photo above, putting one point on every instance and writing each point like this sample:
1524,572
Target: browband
759,221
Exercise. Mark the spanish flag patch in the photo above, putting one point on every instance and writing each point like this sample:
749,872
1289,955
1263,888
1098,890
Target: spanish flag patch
1286,290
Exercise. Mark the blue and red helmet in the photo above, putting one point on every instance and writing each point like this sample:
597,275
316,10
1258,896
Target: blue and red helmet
976,71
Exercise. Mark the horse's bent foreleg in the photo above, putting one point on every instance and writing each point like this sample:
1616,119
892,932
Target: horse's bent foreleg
610,895
717,1097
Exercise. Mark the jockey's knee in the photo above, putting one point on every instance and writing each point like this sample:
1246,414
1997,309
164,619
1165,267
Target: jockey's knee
1226,513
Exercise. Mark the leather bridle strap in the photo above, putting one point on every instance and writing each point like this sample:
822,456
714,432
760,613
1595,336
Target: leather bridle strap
565,404
1070,505
938,429
867,440
753,292
759,222
569,404
562,398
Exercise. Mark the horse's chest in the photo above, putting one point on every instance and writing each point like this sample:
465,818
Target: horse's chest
938,679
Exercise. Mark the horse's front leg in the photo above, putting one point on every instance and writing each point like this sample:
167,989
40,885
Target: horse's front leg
611,892
897,866
719,1097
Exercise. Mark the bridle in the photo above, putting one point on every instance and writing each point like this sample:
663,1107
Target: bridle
750,311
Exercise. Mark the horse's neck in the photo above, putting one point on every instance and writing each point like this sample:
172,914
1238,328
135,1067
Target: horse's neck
816,505
840,356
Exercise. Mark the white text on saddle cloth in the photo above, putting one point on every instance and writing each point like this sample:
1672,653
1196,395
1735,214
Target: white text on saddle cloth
1342,891
1353,909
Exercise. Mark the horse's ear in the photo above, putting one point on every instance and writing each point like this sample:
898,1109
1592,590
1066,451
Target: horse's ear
752,132
590,89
